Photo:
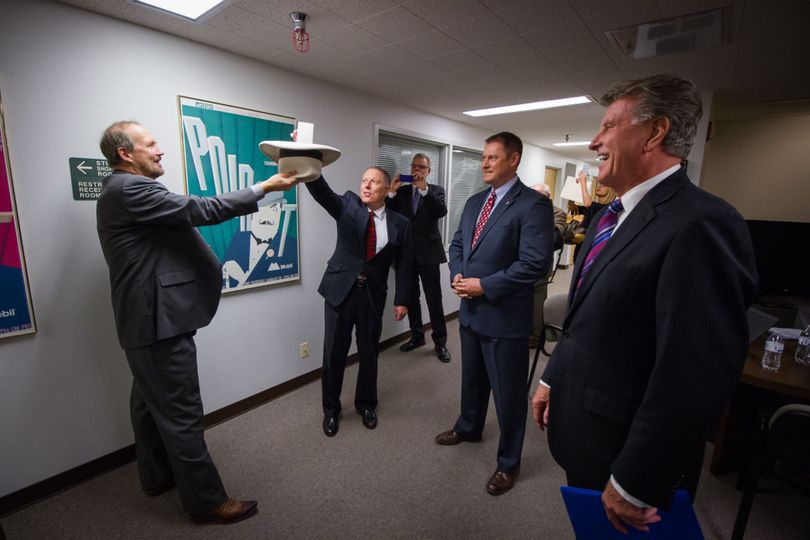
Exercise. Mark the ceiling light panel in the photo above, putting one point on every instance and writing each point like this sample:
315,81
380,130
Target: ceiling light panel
188,9
534,106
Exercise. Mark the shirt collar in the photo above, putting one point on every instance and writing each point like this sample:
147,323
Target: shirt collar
504,189
635,194
379,213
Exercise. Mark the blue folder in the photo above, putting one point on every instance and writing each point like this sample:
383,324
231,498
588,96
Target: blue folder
590,522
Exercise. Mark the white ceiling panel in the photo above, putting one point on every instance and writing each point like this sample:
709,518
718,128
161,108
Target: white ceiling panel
455,55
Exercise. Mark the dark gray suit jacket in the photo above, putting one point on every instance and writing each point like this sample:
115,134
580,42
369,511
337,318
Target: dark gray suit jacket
165,280
653,342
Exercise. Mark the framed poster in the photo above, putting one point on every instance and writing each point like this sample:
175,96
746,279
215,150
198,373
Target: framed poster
16,313
221,154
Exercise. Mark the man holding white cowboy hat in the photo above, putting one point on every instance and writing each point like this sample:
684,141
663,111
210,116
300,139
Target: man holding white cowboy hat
355,282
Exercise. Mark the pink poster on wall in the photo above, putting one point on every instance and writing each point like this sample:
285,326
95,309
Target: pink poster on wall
16,315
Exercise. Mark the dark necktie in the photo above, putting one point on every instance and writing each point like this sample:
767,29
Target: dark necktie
417,196
603,233
482,219
371,237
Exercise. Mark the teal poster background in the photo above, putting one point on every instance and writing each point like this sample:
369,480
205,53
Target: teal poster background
221,154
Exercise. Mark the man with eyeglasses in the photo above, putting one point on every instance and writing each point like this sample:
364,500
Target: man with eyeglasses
424,204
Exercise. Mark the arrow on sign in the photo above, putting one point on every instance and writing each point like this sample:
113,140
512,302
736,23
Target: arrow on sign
84,168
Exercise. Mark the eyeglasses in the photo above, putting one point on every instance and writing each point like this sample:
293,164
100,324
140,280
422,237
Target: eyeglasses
419,166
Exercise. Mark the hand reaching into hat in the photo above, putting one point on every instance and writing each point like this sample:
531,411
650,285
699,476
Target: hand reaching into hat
280,182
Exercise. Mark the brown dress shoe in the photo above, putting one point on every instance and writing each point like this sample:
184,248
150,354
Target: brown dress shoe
501,482
230,511
450,438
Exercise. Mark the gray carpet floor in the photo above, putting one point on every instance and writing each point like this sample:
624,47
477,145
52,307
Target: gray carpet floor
392,482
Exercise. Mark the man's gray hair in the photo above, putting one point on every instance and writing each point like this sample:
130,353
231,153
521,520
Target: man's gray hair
116,137
421,155
667,96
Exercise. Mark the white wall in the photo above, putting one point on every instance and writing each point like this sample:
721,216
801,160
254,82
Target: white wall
64,391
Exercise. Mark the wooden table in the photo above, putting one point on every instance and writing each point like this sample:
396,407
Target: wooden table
759,393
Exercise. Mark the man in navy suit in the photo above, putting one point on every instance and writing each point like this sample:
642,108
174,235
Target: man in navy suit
424,205
369,240
655,335
503,245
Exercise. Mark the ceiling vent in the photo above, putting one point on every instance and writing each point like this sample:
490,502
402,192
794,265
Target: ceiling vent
705,30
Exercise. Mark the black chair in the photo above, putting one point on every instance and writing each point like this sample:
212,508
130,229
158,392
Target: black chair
553,315
785,437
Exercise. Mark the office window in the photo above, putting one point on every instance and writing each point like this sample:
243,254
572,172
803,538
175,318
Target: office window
394,154
465,179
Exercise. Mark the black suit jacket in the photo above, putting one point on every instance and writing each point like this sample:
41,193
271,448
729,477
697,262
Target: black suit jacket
653,342
427,239
349,258
165,280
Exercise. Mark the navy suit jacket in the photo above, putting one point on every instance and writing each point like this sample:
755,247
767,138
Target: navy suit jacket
349,258
513,251
427,239
654,341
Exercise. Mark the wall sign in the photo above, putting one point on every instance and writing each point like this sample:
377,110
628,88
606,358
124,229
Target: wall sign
86,175
221,154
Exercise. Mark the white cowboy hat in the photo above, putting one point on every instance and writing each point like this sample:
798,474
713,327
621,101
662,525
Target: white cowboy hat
305,158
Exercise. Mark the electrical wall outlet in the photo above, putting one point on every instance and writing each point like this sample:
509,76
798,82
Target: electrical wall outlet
303,349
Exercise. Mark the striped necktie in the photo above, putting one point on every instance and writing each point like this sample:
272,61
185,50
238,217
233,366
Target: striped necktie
417,195
482,219
603,233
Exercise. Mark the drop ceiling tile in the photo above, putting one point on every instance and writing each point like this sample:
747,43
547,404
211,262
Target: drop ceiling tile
396,24
231,18
431,45
353,39
396,59
536,14
559,37
355,10
505,49
460,62
467,22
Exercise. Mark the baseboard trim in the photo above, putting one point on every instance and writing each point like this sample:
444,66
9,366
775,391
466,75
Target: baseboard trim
62,481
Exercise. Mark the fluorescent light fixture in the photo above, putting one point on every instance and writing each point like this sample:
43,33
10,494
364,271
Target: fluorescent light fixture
535,106
577,143
188,9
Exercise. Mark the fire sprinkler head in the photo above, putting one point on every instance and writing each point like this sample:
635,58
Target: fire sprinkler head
299,19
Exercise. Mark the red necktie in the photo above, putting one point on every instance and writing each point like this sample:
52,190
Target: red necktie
603,233
482,219
371,237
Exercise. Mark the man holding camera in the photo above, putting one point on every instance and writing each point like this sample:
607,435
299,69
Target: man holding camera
424,205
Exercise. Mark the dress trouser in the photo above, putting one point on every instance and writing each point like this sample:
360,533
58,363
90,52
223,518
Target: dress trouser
430,276
357,312
167,419
500,365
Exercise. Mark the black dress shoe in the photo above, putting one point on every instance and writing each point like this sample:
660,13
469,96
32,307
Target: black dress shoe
369,418
450,438
411,344
500,482
330,425
442,353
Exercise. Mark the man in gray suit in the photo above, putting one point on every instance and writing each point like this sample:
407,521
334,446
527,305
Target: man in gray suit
166,284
